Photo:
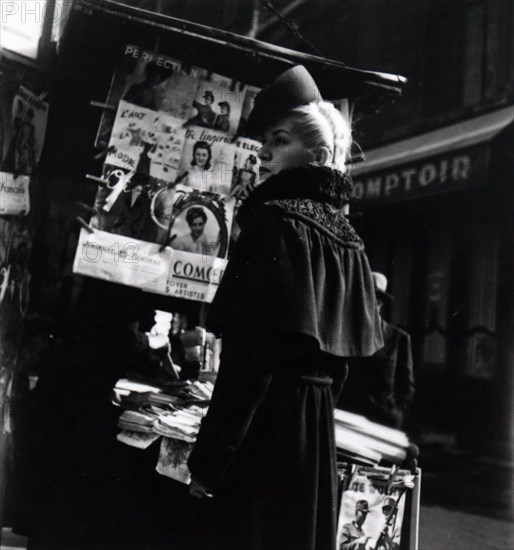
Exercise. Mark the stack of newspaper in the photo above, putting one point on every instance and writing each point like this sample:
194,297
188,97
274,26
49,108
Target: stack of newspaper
361,440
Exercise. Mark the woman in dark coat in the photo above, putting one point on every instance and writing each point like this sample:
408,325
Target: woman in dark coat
296,300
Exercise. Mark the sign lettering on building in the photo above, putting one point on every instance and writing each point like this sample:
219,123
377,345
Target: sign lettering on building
457,170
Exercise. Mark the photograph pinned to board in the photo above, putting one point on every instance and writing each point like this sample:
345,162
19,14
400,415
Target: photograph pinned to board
24,121
372,510
146,142
218,104
246,168
207,161
152,81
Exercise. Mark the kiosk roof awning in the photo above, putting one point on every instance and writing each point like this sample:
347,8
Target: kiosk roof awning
246,59
462,134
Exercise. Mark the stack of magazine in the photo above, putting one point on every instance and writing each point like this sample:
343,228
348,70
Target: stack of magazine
360,440
171,413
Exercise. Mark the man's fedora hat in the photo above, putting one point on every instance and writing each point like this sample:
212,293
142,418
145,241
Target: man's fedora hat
380,281
389,503
293,88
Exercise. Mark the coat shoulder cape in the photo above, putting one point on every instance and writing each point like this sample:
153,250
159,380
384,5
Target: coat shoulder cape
299,267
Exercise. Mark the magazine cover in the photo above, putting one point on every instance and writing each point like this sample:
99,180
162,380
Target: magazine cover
173,459
14,194
218,104
246,168
207,161
146,142
199,228
152,81
23,131
371,513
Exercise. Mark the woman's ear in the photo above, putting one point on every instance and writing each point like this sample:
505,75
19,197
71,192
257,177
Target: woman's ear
323,155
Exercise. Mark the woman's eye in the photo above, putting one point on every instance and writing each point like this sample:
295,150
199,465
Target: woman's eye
280,141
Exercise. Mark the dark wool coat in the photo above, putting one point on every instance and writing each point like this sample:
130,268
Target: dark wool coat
296,300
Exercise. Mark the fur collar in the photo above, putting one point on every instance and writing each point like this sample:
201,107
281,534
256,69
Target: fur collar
314,193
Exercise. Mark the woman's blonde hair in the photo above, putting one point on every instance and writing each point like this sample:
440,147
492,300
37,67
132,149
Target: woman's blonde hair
322,125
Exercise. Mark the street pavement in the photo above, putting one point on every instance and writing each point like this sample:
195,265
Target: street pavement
466,501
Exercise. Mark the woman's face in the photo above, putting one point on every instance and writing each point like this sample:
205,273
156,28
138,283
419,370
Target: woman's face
282,148
201,157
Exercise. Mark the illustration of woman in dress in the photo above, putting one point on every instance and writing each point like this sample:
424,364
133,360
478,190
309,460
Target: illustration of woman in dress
198,175
8,162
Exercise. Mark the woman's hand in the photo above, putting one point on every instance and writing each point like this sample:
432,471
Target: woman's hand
197,490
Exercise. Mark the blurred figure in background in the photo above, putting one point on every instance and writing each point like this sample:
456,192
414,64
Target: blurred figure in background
381,387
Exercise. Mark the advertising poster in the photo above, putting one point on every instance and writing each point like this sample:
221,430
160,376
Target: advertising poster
207,161
120,259
24,130
14,194
156,82
246,168
145,142
218,104
371,513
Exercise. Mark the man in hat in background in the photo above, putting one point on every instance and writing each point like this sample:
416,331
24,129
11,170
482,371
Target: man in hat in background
381,387
353,537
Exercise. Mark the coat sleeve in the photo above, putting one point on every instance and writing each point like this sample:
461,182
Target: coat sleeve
240,387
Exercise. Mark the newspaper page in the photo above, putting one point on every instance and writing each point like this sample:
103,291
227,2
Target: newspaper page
371,512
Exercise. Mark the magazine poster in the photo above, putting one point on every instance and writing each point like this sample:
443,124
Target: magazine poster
218,104
172,461
123,260
246,168
152,81
14,194
199,229
370,511
145,142
24,129
248,103
207,161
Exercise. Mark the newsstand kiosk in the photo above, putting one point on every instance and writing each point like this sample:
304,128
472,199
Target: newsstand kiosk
132,96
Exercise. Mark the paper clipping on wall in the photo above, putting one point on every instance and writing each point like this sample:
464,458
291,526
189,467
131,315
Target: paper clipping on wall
122,260
152,81
14,194
372,512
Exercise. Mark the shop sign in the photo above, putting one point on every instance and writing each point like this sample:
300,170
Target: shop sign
460,169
